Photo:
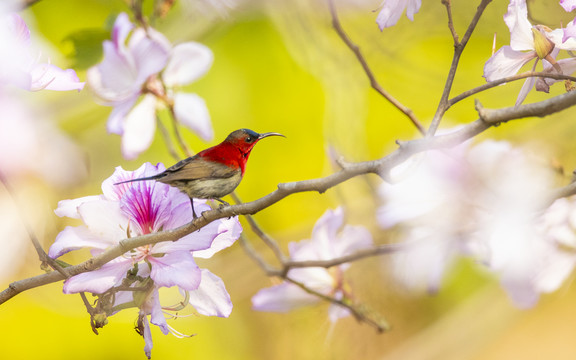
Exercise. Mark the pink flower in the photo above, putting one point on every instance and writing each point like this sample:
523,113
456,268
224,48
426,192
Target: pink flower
568,5
328,242
471,201
19,65
141,71
139,208
391,10
527,43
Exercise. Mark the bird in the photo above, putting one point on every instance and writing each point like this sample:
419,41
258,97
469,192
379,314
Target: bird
214,172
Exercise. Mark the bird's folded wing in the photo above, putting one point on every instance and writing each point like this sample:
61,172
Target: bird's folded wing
197,168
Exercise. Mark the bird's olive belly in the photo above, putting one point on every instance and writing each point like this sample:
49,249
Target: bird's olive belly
208,188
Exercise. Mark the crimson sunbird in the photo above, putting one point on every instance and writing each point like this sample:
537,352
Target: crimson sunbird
214,172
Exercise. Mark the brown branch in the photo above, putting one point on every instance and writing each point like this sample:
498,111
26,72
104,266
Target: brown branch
498,82
458,50
167,141
448,5
488,118
360,313
378,250
373,82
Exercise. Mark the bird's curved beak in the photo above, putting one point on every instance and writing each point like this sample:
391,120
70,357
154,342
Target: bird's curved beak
262,136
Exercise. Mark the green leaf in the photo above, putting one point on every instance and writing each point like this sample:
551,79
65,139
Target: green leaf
86,47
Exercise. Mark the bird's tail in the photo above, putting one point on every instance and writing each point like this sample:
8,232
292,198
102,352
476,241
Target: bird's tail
153,177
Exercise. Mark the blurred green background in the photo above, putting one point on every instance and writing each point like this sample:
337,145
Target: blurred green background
279,66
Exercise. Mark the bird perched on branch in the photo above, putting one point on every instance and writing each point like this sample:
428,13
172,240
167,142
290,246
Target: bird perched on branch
214,172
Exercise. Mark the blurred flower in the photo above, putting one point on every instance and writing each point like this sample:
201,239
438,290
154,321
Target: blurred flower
527,42
568,5
208,8
139,208
484,202
142,64
30,144
329,241
19,66
391,10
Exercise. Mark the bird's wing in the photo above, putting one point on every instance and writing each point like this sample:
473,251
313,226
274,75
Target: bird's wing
194,168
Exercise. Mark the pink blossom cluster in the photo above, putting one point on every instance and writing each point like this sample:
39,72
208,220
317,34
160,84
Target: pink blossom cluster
486,202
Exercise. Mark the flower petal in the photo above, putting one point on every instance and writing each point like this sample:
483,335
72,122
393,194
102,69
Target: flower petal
121,30
104,219
139,128
69,208
175,269
150,50
115,79
51,77
191,111
211,297
74,238
520,28
156,315
148,344
526,87
568,5
188,62
282,298
100,280
506,62
228,232
115,124
390,13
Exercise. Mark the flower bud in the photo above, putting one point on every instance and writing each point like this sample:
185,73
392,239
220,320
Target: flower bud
542,44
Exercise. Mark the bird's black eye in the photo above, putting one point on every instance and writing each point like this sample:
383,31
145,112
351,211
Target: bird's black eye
249,139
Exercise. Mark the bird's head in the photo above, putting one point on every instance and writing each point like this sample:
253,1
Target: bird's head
245,139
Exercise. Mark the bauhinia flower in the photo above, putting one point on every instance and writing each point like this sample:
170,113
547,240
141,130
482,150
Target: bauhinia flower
471,201
391,10
19,64
140,208
140,73
527,43
568,5
329,241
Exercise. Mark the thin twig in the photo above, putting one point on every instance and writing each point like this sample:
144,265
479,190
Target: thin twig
359,312
176,130
358,255
448,5
167,140
270,271
373,82
273,245
512,78
458,50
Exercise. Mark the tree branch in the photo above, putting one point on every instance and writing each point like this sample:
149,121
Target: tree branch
508,79
373,82
488,118
458,50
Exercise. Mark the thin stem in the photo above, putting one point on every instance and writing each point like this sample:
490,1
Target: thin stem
359,312
373,82
167,140
498,82
273,245
448,5
378,250
176,130
458,50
